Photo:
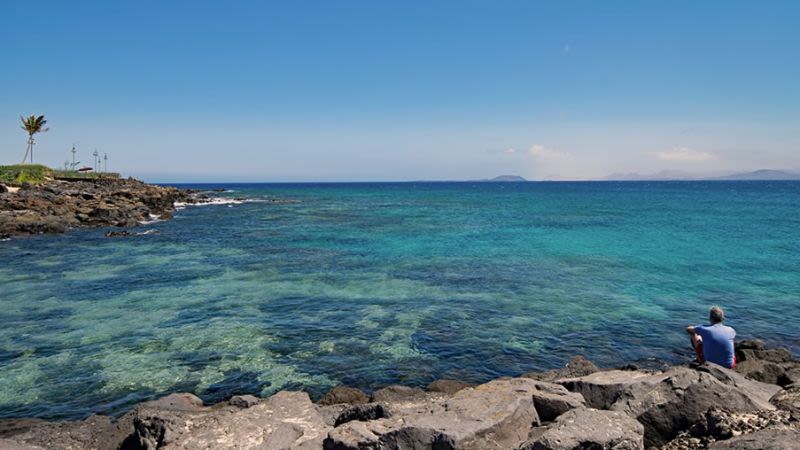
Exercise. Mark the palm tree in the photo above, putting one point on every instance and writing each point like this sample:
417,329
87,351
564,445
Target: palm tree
32,125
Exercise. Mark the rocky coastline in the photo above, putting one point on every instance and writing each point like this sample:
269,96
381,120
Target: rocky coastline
56,206
755,406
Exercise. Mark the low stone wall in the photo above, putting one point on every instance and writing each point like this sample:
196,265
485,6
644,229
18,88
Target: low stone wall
576,407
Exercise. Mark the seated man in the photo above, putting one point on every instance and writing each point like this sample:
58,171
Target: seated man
714,343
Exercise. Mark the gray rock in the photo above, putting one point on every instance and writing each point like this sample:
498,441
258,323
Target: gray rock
788,400
449,387
552,400
602,389
493,416
3,189
94,433
768,365
670,402
344,394
585,428
722,424
578,366
397,393
287,420
767,439
243,401
363,412
330,413
8,444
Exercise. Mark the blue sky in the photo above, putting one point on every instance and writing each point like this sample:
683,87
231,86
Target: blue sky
321,90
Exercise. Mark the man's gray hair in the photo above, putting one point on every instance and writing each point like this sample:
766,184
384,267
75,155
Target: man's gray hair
716,314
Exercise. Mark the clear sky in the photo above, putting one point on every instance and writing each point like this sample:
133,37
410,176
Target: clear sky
373,90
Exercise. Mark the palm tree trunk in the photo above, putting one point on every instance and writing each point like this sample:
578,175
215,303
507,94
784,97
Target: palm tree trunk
27,150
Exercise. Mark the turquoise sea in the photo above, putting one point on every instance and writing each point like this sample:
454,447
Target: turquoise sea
372,284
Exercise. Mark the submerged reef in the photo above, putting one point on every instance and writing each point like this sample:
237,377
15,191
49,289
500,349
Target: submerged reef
579,406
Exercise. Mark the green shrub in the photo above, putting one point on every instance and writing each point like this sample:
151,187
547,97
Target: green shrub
24,173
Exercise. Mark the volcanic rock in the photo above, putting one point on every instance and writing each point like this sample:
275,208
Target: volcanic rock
496,415
669,402
586,428
447,386
344,394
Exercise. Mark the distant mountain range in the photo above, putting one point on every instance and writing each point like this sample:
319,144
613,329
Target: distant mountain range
761,174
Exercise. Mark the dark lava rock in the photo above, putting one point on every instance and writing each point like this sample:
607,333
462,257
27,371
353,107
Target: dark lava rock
243,401
552,400
56,206
122,233
768,365
362,412
344,394
578,366
449,387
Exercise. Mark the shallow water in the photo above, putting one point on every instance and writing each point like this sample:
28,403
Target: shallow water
372,284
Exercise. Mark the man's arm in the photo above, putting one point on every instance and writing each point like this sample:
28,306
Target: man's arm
691,330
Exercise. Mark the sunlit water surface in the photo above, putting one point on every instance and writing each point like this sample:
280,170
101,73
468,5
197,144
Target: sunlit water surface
372,284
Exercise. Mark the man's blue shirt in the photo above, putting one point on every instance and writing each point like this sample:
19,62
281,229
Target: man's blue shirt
717,343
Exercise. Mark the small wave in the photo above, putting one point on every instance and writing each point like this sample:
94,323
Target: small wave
146,232
153,219
213,201
5,239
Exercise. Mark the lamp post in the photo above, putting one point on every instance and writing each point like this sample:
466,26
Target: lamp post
95,154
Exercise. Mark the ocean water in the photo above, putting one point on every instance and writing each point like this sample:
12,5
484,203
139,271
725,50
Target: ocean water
373,284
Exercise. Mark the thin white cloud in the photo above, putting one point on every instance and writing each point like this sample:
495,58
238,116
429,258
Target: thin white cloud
506,151
540,151
683,154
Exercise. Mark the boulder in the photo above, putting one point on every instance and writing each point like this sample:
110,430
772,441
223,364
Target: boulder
397,393
493,416
767,439
287,420
344,394
93,433
552,400
243,401
600,390
586,428
669,402
768,365
362,412
449,387
578,366
3,189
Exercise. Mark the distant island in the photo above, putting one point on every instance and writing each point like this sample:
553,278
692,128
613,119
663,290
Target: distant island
761,174
505,179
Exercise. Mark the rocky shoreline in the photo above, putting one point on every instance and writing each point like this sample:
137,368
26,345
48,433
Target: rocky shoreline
57,206
756,406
